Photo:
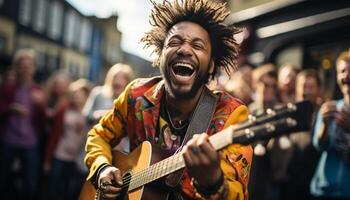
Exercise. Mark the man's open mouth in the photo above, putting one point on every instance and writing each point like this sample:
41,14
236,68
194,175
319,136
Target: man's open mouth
183,69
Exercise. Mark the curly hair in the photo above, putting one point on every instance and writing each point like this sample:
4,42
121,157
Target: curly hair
208,14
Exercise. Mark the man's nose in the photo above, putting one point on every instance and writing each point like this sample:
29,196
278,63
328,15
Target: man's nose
185,50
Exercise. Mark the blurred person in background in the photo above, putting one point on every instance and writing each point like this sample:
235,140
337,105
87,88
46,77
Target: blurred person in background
304,157
246,71
240,84
308,87
65,142
239,88
22,112
286,83
101,98
266,89
57,91
332,138
266,96
280,148
58,100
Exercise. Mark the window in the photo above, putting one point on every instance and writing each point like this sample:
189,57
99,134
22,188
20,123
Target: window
86,32
55,20
77,30
25,12
40,15
68,38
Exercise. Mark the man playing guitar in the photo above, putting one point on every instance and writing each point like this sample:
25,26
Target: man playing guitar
192,44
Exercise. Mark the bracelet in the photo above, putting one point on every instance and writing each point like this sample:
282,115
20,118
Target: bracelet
207,191
94,178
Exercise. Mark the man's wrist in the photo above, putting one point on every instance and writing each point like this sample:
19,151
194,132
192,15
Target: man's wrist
207,191
95,177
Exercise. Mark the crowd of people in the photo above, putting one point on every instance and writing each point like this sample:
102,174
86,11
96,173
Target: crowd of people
304,165
44,128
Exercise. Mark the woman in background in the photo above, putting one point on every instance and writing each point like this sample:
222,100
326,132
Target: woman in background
102,97
65,142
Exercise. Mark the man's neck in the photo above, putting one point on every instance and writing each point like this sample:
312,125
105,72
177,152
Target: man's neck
181,109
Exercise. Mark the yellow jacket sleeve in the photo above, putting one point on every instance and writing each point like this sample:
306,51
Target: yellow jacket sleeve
109,130
236,160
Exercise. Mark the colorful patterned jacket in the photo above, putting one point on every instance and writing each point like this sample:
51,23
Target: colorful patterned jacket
136,114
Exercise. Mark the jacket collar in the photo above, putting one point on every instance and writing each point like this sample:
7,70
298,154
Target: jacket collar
155,93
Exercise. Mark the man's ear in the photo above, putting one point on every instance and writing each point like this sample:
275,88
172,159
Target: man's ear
211,66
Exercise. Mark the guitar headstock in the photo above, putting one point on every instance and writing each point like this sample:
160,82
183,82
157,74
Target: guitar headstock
274,122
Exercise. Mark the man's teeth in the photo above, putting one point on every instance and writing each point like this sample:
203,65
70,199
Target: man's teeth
183,65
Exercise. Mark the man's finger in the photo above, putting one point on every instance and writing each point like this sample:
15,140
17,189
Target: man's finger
111,189
190,155
117,177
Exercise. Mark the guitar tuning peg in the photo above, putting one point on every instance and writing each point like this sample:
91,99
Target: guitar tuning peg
291,122
249,133
291,107
270,128
251,118
270,112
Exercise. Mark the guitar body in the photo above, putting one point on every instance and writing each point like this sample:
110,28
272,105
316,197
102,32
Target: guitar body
139,159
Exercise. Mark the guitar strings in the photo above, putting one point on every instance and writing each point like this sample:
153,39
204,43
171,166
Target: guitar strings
144,172
127,179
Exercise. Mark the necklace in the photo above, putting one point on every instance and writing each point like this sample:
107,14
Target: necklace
182,123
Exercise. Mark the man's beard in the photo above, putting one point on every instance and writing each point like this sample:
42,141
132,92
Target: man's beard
199,81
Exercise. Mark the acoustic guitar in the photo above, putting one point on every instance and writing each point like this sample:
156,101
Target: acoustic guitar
144,168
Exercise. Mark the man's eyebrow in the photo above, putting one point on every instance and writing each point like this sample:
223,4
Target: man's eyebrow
176,36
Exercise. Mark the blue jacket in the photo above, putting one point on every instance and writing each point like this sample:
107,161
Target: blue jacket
332,176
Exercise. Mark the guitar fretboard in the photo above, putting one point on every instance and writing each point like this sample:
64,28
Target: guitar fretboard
156,171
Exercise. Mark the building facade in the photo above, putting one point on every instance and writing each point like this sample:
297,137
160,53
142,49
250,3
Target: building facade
63,38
